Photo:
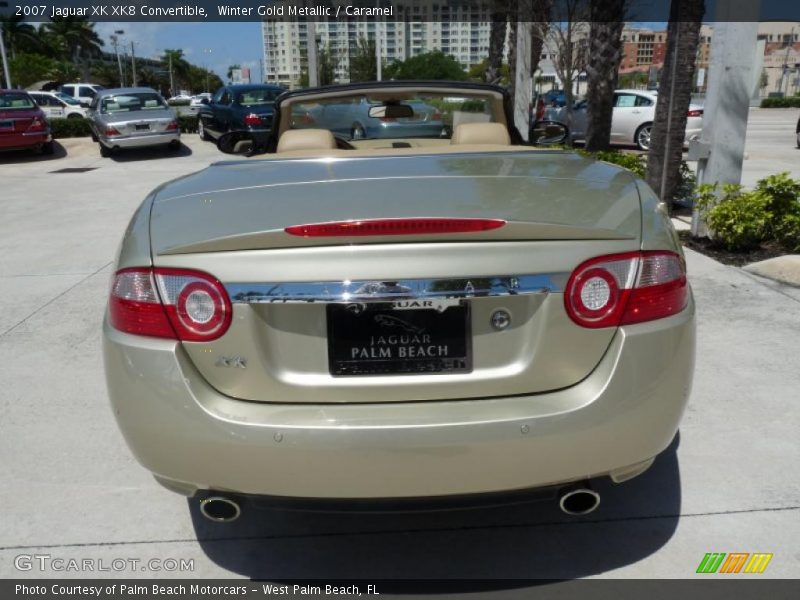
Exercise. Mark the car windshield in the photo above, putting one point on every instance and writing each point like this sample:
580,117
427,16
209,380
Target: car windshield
16,102
67,98
413,115
256,97
131,102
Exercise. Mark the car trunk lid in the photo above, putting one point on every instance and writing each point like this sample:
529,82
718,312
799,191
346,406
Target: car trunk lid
288,290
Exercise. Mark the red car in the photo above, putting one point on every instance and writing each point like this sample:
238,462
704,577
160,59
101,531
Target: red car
23,124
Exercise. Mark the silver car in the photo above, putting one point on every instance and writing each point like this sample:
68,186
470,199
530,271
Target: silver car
405,317
132,118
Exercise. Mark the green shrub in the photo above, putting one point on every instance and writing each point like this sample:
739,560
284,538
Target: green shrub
69,128
187,123
741,220
783,193
789,102
633,162
788,232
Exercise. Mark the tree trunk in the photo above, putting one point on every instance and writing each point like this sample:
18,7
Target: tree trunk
674,97
512,52
497,40
605,55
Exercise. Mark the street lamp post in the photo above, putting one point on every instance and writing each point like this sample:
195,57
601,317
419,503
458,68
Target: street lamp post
133,64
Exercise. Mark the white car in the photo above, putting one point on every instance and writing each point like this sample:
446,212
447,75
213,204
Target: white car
632,120
197,101
82,92
58,105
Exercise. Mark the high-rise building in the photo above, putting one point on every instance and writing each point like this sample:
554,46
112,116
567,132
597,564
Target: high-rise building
460,29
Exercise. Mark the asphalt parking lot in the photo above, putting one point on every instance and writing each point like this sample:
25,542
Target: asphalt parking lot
72,490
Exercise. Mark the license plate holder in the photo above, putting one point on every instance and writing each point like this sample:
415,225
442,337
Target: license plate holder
379,339
142,127
6,125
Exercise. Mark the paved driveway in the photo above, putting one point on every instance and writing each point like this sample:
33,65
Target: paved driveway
72,490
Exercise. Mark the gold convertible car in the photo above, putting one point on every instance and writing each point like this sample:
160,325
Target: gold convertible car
427,312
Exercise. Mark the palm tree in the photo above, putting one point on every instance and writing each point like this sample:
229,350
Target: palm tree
605,55
73,37
674,97
19,36
497,40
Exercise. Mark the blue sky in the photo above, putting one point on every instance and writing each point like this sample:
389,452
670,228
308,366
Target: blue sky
230,43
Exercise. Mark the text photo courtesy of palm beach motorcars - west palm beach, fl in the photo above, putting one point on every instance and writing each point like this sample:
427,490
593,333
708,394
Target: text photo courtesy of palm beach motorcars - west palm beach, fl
483,293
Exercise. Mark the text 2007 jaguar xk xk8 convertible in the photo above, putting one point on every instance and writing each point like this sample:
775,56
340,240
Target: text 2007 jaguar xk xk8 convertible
407,317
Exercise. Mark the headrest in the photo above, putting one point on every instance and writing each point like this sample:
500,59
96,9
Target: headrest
481,133
306,139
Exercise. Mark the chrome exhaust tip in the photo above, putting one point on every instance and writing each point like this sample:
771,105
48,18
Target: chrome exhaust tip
579,501
220,509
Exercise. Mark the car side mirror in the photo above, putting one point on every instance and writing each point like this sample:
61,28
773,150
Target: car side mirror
548,133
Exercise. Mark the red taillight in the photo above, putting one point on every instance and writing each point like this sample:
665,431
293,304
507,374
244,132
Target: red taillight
252,120
394,227
173,125
695,113
112,131
540,110
38,124
622,289
169,303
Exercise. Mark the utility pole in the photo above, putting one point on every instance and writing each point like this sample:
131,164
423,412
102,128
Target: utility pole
5,59
133,63
207,51
115,43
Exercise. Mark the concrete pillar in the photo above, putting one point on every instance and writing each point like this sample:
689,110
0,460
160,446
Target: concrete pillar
523,91
731,79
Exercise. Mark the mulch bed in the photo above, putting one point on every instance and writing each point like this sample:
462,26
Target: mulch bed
736,259
719,253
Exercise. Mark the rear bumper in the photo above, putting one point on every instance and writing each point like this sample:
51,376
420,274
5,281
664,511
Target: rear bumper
141,141
622,415
24,140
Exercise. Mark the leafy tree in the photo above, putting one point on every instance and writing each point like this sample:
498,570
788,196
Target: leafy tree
602,69
27,69
430,65
73,37
363,62
327,63
666,146
477,72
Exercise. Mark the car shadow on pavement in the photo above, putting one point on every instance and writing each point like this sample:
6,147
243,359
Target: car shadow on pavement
149,153
30,156
526,540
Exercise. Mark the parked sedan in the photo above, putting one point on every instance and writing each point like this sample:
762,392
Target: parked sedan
420,318
132,118
632,118
238,108
23,125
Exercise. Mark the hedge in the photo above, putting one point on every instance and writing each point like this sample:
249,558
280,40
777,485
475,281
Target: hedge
790,102
70,128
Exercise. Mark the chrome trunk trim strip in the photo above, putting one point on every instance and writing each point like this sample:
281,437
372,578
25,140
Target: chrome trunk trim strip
390,290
